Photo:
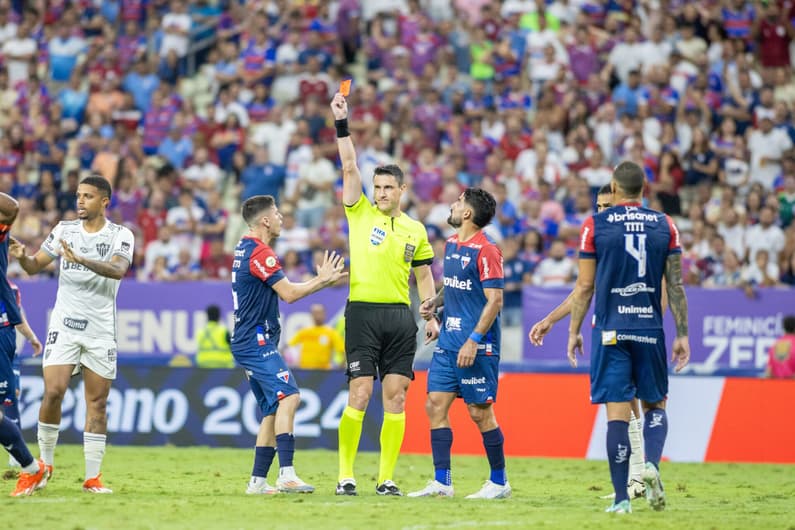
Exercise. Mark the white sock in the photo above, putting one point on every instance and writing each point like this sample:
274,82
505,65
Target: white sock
31,468
48,439
288,471
256,481
94,450
636,458
12,462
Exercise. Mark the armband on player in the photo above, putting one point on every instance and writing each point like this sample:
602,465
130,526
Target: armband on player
342,128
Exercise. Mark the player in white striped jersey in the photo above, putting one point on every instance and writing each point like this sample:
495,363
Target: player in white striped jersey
95,255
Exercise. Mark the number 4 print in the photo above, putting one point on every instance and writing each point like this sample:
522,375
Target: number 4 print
638,252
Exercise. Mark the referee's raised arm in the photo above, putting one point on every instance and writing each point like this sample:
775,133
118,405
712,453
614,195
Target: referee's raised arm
351,178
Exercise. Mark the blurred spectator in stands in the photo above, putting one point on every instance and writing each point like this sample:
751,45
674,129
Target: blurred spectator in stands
315,189
293,236
184,219
227,139
762,272
18,53
64,50
294,268
515,274
557,269
781,355
176,25
177,147
320,347
213,223
767,146
217,263
203,176
262,177
786,199
788,272
730,275
765,236
186,268
162,248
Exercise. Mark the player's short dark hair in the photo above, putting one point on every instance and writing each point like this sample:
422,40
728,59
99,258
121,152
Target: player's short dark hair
605,190
390,169
630,178
99,182
254,206
483,205
789,324
213,313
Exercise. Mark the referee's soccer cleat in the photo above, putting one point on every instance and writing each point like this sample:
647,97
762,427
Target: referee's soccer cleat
622,508
258,486
655,494
30,482
636,488
434,488
490,490
346,487
388,487
94,485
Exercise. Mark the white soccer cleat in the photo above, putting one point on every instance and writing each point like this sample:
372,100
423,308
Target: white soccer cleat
636,488
490,490
622,508
258,486
434,488
293,484
655,494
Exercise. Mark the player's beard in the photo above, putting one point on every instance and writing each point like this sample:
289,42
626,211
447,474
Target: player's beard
452,221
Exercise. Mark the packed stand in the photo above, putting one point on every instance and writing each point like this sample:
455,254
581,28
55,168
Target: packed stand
189,108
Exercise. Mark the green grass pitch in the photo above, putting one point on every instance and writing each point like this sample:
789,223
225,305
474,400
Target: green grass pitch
196,488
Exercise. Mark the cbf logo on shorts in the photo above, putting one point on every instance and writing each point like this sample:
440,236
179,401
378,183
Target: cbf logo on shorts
377,236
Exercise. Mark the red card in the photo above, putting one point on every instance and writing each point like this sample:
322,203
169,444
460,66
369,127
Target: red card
345,87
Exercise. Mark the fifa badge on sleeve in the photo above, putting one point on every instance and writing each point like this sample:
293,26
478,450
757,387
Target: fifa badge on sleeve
408,252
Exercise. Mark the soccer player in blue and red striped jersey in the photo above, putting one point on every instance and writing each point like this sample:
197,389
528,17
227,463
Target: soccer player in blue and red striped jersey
626,251
258,283
466,360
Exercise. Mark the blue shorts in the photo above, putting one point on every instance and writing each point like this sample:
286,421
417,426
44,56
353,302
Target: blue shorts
267,373
476,384
628,363
8,380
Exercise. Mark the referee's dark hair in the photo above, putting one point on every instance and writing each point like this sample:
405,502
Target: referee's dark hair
630,178
99,182
483,205
390,169
605,190
253,207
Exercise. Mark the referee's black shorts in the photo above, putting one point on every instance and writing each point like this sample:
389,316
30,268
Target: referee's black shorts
380,339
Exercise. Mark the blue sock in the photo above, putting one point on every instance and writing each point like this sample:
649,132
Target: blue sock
493,442
618,451
441,442
285,445
655,430
11,439
263,457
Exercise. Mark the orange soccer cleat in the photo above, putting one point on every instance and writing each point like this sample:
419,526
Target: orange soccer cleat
30,482
94,485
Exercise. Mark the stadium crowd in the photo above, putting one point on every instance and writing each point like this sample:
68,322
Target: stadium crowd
188,108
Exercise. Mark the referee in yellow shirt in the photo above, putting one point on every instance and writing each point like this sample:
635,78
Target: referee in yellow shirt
380,332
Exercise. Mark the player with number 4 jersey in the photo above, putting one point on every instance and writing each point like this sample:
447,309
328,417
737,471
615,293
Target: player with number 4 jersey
625,251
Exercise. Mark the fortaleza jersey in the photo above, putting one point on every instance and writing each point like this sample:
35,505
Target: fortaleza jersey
254,271
469,267
631,245
86,301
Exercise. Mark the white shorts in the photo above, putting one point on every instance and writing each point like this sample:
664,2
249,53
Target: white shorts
66,347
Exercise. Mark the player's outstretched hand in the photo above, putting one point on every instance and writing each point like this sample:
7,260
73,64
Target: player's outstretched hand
15,248
427,308
331,269
339,107
681,353
575,344
36,344
538,331
68,253
431,330
467,353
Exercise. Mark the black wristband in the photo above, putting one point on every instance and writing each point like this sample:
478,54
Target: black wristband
342,128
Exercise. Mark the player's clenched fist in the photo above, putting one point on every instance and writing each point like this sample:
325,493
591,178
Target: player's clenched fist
339,107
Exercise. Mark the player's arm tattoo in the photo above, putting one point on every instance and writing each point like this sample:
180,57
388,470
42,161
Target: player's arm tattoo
677,299
116,268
